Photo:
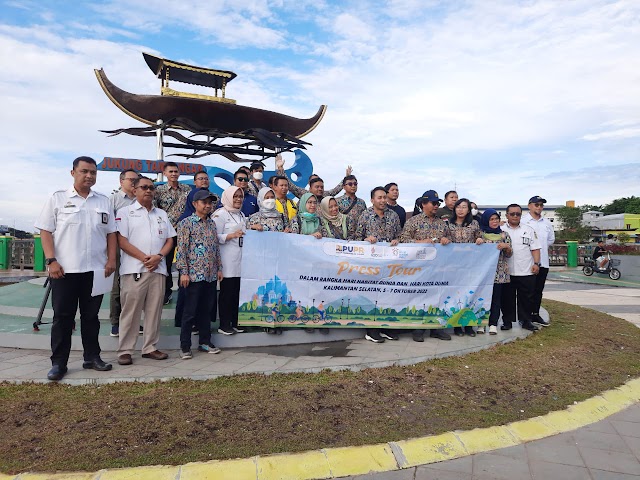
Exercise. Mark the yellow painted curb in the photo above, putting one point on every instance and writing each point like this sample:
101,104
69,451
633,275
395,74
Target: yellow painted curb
360,460
345,461
240,469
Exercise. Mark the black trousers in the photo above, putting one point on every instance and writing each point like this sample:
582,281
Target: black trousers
496,303
541,278
180,307
169,280
522,288
228,302
197,311
67,293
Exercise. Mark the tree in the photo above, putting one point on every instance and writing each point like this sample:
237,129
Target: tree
623,238
623,205
590,208
572,228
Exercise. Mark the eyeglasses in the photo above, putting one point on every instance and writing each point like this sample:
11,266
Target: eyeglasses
242,179
132,179
351,184
515,214
147,187
435,203
539,204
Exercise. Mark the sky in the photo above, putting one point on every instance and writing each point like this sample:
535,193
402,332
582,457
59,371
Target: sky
501,100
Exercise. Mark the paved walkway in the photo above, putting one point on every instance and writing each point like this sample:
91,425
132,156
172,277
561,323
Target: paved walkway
609,449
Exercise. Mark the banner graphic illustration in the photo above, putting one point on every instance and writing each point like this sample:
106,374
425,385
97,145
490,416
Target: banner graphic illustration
299,281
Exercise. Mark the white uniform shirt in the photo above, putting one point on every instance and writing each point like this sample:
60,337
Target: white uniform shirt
545,233
147,230
230,250
80,227
523,242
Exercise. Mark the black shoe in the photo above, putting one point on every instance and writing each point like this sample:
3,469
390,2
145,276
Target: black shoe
458,331
469,331
535,318
374,337
418,336
530,326
167,299
504,327
97,364
439,334
57,372
389,336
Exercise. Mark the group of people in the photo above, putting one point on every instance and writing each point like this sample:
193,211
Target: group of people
136,232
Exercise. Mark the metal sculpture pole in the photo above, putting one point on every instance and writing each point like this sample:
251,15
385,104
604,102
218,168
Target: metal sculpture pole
159,148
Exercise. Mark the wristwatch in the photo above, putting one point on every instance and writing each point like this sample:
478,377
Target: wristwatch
538,264
49,261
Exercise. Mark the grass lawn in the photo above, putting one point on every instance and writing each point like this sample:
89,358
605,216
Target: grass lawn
49,427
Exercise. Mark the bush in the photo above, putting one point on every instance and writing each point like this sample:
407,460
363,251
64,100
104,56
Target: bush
616,249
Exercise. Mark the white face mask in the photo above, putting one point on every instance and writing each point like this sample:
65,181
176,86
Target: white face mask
257,175
269,203
474,211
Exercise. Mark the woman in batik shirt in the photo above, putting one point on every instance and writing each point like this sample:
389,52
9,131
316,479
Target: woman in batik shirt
334,224
268,219
306,221
464,229
491,232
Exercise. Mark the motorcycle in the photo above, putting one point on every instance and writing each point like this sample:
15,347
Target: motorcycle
590,267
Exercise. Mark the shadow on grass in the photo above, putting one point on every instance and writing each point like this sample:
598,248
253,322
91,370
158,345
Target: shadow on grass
57,427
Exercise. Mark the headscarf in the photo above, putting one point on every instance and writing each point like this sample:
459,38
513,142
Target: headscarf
227,199
309,221
335,220
484,221
271,212
338,220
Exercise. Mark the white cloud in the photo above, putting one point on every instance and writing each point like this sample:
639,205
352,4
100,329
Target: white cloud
613,134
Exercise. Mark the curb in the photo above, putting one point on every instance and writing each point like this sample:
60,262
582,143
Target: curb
338,462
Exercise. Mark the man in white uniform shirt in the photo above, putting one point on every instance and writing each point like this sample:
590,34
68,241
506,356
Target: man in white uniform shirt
122,198
524,265
78,238
145,236
546,237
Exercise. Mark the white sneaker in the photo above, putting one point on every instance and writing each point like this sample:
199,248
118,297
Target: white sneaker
238,330
480,330
493,330
225,332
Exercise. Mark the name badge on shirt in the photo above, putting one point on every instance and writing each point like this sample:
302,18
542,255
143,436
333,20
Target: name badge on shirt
105,218
526,241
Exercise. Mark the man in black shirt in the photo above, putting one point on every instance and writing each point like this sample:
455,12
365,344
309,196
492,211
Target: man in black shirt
599,256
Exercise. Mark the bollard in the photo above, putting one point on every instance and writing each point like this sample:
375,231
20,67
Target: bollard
572,253
5,252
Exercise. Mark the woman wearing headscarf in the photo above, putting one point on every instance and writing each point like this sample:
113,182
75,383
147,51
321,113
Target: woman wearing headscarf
464,229
491,232
230,225
268,219
334,224
306,221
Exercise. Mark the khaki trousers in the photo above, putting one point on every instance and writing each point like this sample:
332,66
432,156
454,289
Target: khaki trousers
146,295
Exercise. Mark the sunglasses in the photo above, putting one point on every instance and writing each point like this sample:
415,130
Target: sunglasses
539,204
242,179
515,214
351,184
147,187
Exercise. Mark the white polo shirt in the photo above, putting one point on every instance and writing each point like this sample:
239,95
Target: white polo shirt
523,242
147,230
80,227
545,233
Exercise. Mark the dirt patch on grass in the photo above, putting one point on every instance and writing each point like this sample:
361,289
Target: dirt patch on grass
56,427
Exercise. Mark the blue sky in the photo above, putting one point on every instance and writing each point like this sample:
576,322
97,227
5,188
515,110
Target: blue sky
502,99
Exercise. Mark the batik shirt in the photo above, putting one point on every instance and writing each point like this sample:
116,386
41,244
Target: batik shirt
198,249
172,200
269,224
356,211
299,192
421,227
467,234
502,270
385,228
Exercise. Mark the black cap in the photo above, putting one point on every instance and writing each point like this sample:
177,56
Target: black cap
255,165
203,195
537,199
430,196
